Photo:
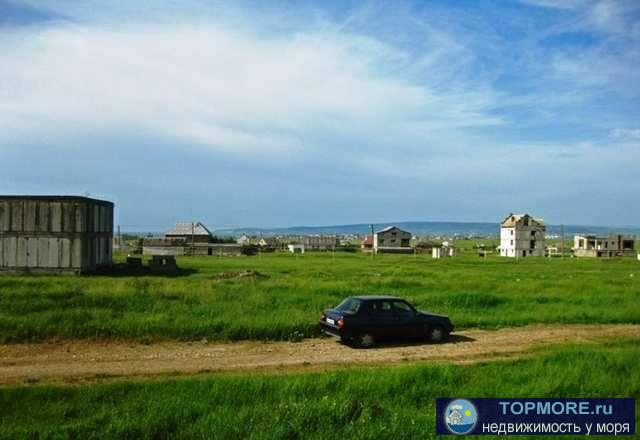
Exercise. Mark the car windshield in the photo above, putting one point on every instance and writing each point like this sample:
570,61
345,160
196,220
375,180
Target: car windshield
349,305
402,308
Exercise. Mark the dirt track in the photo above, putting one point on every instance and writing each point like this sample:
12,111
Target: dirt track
73,361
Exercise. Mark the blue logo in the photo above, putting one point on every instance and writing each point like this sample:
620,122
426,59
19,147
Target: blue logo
460,416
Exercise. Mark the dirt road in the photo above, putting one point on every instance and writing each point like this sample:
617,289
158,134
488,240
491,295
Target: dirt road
77,361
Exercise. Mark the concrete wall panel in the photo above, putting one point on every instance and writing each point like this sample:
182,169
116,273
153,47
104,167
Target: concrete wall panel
76,254
43,251
43,217
21,253
30,215
65,252
81,210
16,215
5,219
53,259
56,216
32,252
10,251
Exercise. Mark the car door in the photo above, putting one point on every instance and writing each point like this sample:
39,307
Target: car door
383,320
405,317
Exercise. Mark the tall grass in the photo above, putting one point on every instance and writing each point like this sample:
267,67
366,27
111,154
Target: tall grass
492,292
375,403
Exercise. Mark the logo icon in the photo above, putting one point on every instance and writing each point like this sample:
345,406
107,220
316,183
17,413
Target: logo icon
460,416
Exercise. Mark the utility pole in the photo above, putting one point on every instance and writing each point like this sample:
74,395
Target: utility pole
562,241
193,238
373,250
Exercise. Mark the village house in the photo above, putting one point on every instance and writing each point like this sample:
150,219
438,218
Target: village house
445,250
295,248
367,243
270,242
192,238
191,232
614,245
320,242
244,240
521,235
392,239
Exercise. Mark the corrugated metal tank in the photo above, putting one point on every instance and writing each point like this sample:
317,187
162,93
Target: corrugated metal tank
52,234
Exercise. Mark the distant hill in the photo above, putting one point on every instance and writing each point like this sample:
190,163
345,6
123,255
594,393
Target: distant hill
423,228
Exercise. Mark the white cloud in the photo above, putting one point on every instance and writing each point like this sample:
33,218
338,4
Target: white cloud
230,90
625,133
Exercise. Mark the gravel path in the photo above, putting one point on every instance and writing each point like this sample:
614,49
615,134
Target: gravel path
81,360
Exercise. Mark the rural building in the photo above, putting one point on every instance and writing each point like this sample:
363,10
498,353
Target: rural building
320,242
190,238
614,245
244,240
521,235
219,249
367,243
55,234
554,251
180,246
392,239
296,248
163,246
270,242
443,251
191,232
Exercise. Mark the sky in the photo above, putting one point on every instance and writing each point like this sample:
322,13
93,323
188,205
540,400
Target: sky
251,113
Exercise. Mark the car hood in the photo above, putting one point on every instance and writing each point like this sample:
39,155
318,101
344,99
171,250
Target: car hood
434,315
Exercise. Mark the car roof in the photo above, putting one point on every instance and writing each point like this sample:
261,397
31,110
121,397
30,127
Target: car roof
376,297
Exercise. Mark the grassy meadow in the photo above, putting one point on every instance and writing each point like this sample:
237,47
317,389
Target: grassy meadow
373,403
207,301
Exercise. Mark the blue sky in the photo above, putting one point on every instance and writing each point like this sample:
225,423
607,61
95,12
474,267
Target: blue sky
290,113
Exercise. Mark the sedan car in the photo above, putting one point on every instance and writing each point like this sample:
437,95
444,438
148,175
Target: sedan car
364,320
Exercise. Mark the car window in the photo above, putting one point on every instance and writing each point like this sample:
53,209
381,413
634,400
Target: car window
402,308
349,305
381,308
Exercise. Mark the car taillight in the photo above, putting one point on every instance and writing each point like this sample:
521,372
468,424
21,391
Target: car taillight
340,322
323,317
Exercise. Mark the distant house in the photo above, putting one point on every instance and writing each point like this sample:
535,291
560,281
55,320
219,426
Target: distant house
192,238
443,251
554,251
610,246
243,240
392,239
367,243
320,242
191,232
521,235
270,242
296,248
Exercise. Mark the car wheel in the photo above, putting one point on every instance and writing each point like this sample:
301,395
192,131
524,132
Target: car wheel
366,340
436,334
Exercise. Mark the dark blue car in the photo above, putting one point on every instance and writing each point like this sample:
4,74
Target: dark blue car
364,320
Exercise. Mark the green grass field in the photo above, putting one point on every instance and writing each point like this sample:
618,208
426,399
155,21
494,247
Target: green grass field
492,292
363,403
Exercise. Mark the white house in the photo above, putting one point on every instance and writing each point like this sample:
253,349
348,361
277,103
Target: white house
296,248
443,251
392,239
521,235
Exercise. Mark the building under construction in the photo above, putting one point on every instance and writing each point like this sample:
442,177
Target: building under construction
55,234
